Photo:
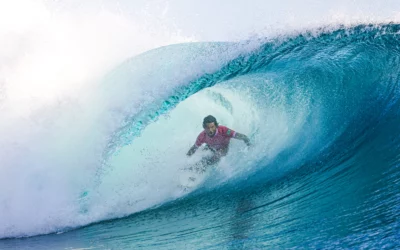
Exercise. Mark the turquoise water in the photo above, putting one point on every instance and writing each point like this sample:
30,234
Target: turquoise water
322,109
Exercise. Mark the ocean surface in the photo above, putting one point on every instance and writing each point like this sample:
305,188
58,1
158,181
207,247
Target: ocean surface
322,109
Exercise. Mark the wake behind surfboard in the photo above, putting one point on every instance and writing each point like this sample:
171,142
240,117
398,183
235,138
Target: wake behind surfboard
194,175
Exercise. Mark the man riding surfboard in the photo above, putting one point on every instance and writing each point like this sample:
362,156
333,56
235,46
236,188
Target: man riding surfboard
217,139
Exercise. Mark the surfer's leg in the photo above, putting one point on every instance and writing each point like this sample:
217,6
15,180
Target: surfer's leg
206,148
205,163
214,159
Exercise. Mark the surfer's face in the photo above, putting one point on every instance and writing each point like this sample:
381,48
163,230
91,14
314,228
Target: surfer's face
210,129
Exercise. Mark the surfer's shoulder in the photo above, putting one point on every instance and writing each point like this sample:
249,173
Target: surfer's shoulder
222,129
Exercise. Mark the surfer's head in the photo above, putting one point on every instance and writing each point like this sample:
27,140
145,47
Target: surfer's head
210,124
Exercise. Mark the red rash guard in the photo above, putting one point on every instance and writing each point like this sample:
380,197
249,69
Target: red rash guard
220,139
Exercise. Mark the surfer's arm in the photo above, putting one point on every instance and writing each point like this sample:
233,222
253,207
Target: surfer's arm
242,137
197,144
192,150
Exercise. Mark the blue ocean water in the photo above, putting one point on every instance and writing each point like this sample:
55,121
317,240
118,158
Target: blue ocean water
322,109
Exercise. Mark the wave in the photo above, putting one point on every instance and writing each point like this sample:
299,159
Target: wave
310,102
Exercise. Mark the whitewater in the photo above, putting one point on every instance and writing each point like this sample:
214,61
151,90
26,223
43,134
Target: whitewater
101,101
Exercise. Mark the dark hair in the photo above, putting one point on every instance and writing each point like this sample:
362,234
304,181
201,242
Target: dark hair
209,119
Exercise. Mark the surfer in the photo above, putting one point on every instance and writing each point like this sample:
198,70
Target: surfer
217,138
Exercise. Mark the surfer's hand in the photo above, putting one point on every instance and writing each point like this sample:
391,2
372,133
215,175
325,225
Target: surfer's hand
247,142
192,150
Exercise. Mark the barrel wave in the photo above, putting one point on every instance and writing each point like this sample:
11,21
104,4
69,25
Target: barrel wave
322,109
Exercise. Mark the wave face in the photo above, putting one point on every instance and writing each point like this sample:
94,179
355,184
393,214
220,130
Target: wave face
322,109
